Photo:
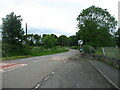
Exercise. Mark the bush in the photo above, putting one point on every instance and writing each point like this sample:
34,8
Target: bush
26,50
88,49
49,41
11,50
15,50
35,51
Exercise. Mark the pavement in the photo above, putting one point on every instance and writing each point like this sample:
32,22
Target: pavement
110,73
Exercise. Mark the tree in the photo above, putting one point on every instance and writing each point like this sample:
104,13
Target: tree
29,39
96,27
73,41
44,35
37,39
56,38
12,35
63,40
117,37
12,32
49,41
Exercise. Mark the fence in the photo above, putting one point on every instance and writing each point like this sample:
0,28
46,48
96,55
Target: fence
112,52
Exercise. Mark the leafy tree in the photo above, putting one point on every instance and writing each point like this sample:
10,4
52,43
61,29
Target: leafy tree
12,35
117,37
37,39
32,40
12,32
49,41
73,41
44,35
63,40
28,39
96,27
56,38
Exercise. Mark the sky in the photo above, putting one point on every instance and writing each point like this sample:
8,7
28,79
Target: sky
53,16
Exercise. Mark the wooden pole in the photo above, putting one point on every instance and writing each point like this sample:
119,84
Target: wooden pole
26,28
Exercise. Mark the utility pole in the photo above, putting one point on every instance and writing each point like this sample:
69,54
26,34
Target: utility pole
26,28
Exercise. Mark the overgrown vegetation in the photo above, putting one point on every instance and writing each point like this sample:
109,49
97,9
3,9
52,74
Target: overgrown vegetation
35,51
98,51
88,49
96,29
38,51
15,44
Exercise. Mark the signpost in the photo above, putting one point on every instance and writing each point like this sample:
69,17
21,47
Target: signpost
80,42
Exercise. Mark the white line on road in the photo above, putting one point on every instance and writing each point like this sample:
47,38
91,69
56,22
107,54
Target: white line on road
35,61
47,78
53,72
37,86
38,60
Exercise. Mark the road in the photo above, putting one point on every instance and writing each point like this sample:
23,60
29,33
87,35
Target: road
75,73
63,70
36,69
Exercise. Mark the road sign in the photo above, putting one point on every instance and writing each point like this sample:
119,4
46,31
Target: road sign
80,42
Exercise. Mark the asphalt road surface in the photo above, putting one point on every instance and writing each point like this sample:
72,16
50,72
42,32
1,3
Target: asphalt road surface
63,70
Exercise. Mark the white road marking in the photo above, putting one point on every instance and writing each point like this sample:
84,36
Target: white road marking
53,72
104,75
35,61
37,86
1,70
38,60
47,78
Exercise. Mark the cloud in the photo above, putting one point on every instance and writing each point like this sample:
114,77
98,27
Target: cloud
53,16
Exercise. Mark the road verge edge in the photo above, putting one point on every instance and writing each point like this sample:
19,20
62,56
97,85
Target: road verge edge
113,84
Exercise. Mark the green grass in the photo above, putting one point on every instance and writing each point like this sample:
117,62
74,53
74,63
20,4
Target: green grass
38,51
109,52
119,53
46,52
98,51
112,52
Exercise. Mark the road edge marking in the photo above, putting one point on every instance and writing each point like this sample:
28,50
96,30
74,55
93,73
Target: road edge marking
104,75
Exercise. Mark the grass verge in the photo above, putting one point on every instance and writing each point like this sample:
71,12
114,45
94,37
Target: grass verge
37,52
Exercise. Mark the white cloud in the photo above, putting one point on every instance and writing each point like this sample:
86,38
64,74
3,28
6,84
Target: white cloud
57,16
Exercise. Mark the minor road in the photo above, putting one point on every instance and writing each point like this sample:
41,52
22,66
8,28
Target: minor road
70,71
35,70
75,74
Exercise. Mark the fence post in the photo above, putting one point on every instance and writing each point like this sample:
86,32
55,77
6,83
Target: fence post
103,51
